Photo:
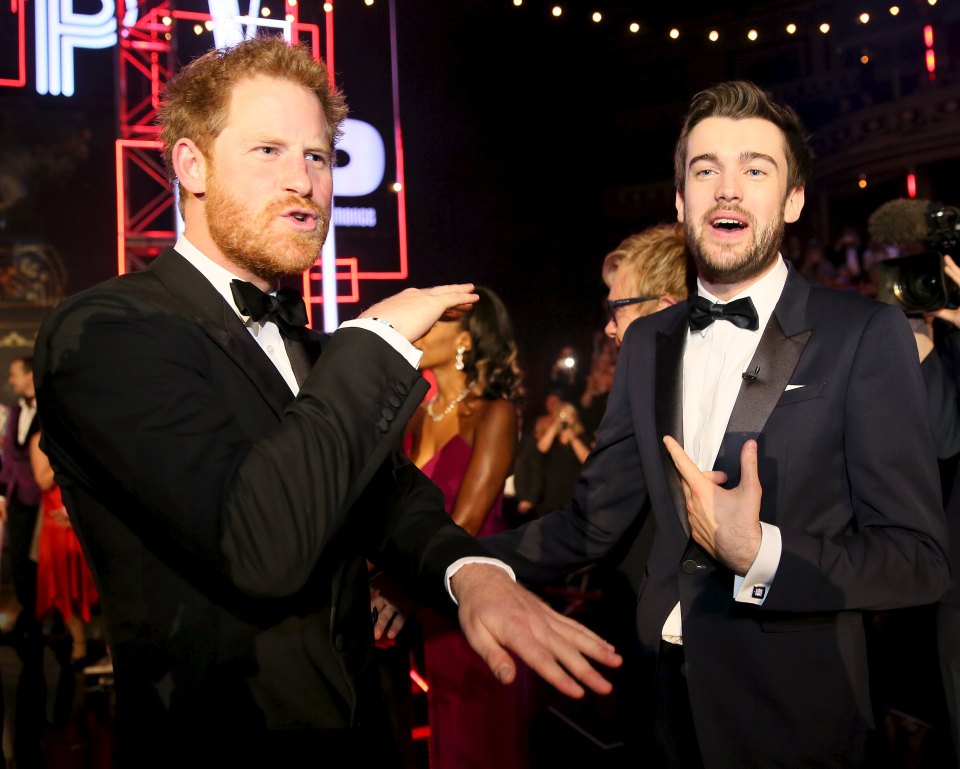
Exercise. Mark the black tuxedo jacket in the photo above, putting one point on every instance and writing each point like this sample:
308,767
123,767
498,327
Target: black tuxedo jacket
227,523
848,476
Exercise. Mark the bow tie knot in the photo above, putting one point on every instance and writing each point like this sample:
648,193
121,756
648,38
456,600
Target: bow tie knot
286,308
740,312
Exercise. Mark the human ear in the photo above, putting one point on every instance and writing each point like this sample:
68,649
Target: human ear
190,166
793,205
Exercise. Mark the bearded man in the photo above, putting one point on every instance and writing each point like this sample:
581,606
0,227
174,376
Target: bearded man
228,482
776,432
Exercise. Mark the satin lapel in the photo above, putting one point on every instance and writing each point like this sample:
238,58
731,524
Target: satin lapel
200,302
668,394
775,361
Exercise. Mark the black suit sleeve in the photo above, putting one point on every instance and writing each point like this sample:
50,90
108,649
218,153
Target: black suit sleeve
609,495
141,408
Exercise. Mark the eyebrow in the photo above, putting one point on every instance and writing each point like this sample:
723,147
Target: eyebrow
745,156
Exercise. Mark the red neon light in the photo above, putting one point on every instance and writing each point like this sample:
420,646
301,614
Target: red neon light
159,203
403,272
350,262
419,680
928,36
931,61
420,732
911,186
328,19
21,79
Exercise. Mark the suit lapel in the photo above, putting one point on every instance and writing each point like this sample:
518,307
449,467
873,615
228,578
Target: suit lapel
775,361
668,396
201,302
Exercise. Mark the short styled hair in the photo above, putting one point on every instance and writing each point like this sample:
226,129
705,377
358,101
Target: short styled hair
654,260
740,100
197,98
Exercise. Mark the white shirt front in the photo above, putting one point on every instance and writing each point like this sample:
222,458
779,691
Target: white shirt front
714,361
267,335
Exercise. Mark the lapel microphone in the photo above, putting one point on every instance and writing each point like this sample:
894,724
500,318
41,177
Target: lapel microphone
751,376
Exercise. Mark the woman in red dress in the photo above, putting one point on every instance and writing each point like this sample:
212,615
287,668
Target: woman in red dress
465,439
64,582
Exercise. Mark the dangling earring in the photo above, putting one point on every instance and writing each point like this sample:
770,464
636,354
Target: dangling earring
458,364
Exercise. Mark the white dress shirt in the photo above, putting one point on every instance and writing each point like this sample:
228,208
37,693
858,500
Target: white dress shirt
267,334
714,361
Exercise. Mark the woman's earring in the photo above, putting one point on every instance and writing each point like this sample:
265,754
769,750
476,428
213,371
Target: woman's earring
458,364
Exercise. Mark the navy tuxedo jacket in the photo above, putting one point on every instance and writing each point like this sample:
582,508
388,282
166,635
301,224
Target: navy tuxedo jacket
226,522
849,476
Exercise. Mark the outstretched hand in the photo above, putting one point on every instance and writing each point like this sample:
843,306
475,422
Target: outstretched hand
497,615
724,522
413,311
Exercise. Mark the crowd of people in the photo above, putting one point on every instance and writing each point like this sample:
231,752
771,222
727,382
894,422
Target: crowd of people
751,452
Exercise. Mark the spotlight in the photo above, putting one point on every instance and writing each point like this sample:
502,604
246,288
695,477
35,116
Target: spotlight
752,35
264,11
824,27
557,10
714,35
634,27
674,33
327,7
791,29
518,3
864,59
894,10
197,29
397,186
597,17
208,25
167,21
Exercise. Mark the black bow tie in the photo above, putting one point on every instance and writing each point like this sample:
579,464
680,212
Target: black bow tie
740,312
286,308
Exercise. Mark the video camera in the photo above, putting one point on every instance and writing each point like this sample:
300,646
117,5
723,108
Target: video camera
917,283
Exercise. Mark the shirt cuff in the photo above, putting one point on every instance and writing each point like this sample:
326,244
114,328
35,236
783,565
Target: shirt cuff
754,586
454,567
389,335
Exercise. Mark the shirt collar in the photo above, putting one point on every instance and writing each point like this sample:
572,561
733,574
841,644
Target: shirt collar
764,294
218,276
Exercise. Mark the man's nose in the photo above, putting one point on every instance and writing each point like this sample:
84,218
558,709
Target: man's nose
611,328
728,187
296,177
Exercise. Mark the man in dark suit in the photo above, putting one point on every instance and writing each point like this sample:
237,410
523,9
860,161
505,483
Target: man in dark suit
777,434
226,521
20,499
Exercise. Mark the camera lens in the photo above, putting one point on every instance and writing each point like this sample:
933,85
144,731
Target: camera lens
918,291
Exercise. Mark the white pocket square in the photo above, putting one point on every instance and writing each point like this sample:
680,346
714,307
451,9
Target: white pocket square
793,387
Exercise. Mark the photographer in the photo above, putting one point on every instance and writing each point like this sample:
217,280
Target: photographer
940,365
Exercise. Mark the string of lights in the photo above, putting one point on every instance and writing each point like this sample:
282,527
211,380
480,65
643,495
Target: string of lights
618,21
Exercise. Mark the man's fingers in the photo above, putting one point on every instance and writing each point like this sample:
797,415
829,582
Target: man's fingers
501,664
749,472
685,466
399,620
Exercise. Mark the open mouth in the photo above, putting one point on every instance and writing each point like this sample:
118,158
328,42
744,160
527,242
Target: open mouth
301,219
730,225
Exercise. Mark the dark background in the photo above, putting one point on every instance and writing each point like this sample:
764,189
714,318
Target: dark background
534,144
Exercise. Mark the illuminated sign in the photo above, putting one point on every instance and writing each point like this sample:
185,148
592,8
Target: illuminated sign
60,31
